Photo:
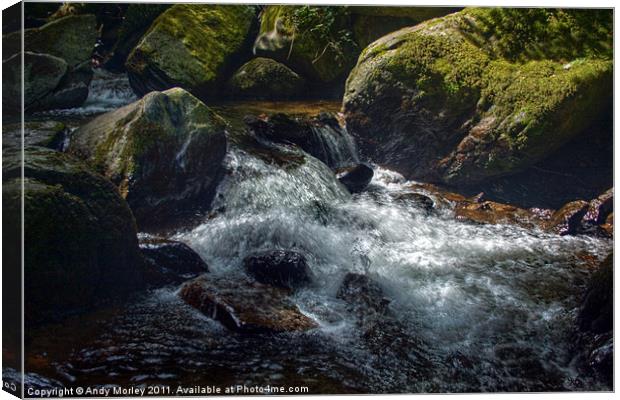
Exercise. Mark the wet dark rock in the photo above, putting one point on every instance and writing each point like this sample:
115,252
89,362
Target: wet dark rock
600,208
320,136
596,314
80,235
356,178
417,199
164,152
608,226
51,134
246,307
287,269
363,294
72,90
490,212
42,74
601,358
170,262
568,219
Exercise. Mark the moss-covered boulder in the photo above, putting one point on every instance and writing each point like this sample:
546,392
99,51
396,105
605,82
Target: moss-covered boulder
71,38
317,42
480,93
80,235
41,75
265,79
164,152
56,61
194,46
136,21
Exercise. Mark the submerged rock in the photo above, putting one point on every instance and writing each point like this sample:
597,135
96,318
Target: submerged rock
244,306
170,262
596,313
417,199
49,134
287,269
436,101
194,46
363,294
80,235
164,152
265,79
595,321
356,178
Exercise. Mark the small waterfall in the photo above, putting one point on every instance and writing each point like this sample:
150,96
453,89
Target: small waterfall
336,145
107,91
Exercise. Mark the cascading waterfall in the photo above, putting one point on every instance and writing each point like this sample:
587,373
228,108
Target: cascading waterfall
497,296
107,91
473,307
336,144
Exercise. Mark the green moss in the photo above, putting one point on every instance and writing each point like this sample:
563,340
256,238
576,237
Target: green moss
502,88
522,34
263,78
316,41
193,44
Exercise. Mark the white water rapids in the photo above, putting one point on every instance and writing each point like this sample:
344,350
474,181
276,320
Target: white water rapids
475,307
499,297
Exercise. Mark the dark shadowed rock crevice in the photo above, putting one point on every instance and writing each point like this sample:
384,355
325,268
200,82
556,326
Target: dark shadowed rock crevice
80,235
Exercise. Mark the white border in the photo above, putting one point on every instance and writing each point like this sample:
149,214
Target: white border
488,3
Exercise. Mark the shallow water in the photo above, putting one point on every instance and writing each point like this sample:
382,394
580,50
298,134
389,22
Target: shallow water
473,307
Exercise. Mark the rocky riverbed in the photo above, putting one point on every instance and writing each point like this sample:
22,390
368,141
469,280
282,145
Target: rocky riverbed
210,201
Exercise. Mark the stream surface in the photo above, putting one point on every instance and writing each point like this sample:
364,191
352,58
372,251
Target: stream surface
474,307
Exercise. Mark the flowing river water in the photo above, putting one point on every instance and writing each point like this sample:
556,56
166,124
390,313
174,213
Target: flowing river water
472,307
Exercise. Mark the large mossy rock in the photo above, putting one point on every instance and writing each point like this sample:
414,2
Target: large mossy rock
41,75
57,69
265,79
316,42
79,234
480,93
136,21
164,152
194,46
71,38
